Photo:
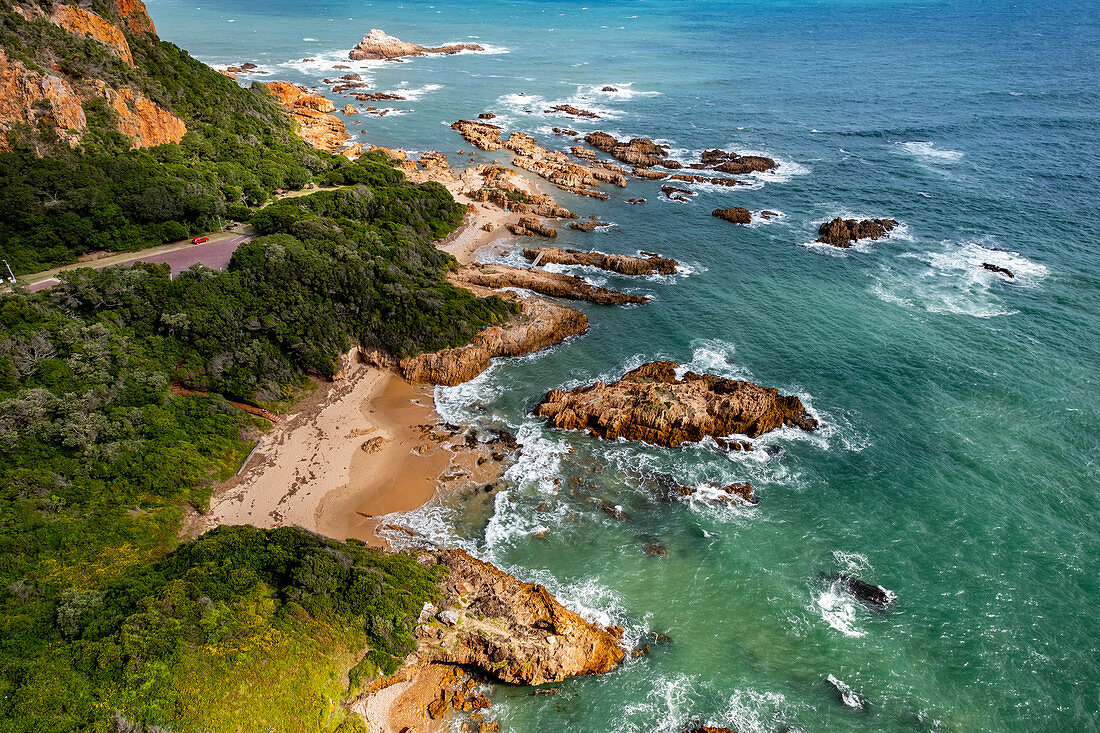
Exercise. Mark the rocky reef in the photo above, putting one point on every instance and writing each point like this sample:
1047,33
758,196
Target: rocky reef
641,152
842,232
312,113
734,214
539,325
377,45
733,163
554,284
622,264
651,405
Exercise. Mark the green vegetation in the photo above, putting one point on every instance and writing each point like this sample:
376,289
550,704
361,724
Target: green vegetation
57,202
101,608
108,620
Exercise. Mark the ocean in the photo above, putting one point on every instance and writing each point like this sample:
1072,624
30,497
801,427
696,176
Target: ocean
957,462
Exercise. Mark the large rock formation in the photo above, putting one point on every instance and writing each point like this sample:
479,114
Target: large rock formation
528,226
376,45
513,631
85,23
842,232
651,405
541,324
623,264
28,96
312,114
733,163
555,284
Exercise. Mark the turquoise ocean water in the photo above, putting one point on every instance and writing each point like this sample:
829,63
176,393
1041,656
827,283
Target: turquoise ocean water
957,466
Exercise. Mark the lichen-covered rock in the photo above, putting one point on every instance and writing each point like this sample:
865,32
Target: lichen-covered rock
622,264
650,404
842,232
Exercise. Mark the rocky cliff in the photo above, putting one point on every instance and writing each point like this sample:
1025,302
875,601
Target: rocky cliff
651,405
622,264
30,97
540,324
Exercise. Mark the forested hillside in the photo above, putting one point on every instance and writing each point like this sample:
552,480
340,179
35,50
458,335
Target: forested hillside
108,621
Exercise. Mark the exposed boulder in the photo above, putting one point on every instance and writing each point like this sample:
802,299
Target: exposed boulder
874,596
588,225
376,45
622,264
735,214
609,89
650,175
677,194
650,404
733,163
532,227
641,152
842,232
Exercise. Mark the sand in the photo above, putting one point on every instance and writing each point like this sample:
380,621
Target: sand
311,471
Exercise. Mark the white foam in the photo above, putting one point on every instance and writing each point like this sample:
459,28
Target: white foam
839,610
623,90
847,695
927,149
414,93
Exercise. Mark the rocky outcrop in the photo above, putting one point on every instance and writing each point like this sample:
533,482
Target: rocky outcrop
528,226
650,404
588,225
553,165
540,324
513,631
998,269
376,45
735,214
312,114
641,152
874,596
649,175
571,110
689,178
28,97
842,232
85,23
733,163
134,15
682,195
622,264
506,189
555,284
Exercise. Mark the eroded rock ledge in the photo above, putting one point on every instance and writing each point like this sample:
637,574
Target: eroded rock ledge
622,264
842,232
555,284
651,405
539,325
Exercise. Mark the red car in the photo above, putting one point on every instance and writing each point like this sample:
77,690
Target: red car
200,240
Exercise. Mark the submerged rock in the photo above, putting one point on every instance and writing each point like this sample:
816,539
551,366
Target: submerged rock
842,232
874,596
846,695
650,404
998,269
622,264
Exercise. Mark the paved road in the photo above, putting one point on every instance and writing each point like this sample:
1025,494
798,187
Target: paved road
215,253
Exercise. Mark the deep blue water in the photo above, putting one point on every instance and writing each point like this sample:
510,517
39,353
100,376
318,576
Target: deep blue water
958,462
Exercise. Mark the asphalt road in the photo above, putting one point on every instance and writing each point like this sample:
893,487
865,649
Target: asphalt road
215,254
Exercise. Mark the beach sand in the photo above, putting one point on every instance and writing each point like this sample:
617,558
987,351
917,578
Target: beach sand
311,470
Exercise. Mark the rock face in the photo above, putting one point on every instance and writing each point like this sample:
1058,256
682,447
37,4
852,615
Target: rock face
84,23
622,264
842,232
515,632
651,405
376,45
27,96
554,284
735,214
540,324
312,113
